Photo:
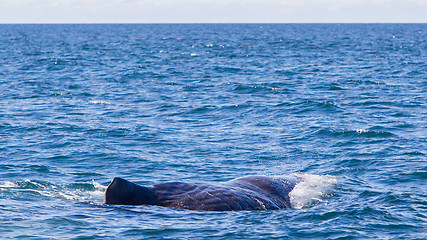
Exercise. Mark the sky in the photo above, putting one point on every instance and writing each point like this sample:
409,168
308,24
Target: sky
213,11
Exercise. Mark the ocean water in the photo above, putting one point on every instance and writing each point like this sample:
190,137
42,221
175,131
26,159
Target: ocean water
342,105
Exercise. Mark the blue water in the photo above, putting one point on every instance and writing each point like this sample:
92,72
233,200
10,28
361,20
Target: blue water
343,103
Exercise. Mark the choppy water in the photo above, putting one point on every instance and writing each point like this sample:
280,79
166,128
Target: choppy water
81,104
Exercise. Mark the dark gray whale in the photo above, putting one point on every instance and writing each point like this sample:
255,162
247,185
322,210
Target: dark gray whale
247,193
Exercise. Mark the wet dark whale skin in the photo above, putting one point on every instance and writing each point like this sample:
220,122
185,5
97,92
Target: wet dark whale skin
247,193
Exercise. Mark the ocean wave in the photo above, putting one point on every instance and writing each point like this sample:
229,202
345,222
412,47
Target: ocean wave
254,88
358,133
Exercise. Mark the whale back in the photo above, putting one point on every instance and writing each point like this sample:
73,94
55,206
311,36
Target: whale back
247,193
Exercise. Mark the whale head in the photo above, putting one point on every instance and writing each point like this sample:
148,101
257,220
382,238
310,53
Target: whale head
123,192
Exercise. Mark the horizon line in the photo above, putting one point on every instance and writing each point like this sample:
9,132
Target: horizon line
76,23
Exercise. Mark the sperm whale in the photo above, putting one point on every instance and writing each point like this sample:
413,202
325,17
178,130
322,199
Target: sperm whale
246,193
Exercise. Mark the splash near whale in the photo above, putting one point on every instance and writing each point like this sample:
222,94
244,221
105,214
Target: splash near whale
246,193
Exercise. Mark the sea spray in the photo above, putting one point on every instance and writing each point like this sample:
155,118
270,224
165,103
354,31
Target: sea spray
311,189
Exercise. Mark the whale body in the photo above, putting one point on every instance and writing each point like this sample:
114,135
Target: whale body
246,193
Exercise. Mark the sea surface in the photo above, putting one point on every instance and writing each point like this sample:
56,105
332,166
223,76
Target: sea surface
343,105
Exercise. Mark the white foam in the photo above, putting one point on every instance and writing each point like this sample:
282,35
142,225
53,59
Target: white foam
60,93
81,195
311,189
96,194
361,130
99,190
7,184
57,190
100,102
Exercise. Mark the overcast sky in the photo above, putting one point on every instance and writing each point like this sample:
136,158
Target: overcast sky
212,11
